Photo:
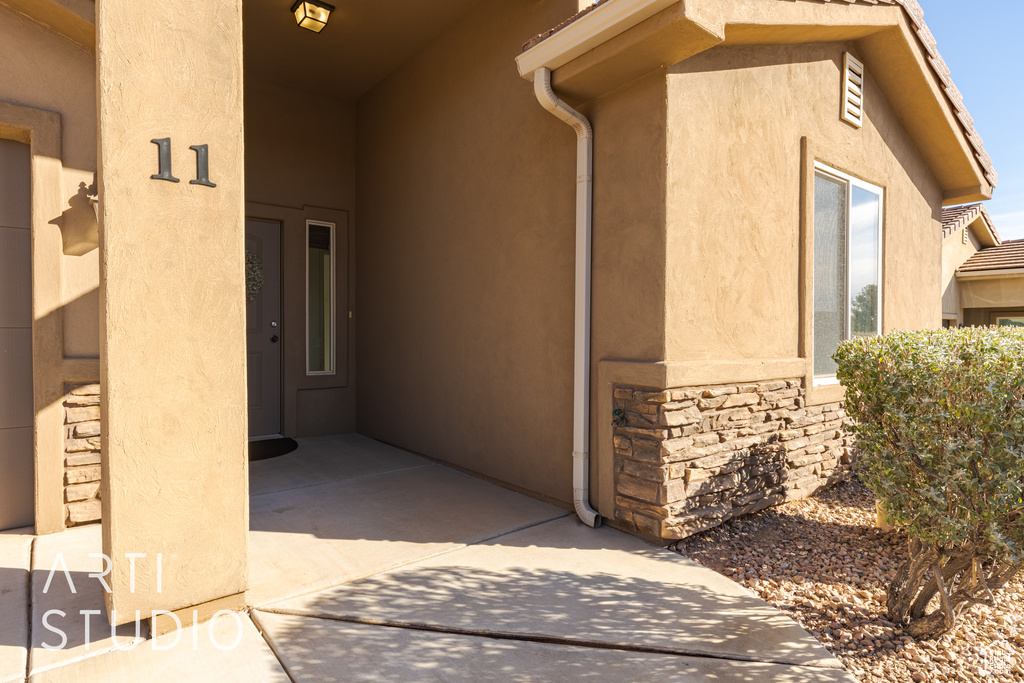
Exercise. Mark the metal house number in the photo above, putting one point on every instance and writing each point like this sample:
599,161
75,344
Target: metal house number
164,144
202,163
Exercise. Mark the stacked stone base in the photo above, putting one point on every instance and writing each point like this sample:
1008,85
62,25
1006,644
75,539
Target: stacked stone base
82,455
690,458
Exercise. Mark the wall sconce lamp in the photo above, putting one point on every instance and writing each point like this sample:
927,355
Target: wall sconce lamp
312,14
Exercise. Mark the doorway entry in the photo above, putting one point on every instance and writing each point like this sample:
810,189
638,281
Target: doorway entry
264,332
17,465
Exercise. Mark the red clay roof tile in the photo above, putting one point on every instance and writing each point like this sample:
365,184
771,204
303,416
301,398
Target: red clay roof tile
541,37
956,217
1009,254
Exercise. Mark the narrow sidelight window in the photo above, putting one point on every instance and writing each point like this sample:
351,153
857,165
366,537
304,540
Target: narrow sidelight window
319,298
847,264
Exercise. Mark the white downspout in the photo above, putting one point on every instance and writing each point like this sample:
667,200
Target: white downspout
584,223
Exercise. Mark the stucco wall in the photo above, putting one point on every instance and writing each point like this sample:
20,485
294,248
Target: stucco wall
465,284
465,212
954,254
992,293
48,99
736,119
175,471
299,146
300,154
44,70
628,300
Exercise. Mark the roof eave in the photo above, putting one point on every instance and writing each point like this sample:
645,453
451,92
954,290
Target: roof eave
621,40
617,42
984,229
587,32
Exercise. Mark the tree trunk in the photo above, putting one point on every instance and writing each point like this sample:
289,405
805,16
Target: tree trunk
942,619
954,566
904,588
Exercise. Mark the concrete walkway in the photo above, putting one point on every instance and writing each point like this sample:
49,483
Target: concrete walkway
368,563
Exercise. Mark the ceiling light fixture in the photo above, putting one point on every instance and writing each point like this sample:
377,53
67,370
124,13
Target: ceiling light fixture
312,14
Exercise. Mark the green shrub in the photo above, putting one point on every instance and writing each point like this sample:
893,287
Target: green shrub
939,421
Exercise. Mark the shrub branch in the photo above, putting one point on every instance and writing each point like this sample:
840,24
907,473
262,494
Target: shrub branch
940,433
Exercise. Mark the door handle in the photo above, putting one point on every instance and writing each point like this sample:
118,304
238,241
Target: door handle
274,338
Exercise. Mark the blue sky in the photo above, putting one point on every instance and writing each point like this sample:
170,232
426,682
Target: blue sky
980,41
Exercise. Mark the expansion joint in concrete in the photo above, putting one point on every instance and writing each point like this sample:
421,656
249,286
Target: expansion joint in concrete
429,556
525,637
255,618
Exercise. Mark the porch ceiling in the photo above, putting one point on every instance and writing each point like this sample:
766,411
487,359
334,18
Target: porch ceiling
364,41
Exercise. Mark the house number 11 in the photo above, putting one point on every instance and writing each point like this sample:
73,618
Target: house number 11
202,163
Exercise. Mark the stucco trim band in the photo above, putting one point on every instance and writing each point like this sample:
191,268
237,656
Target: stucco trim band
42,130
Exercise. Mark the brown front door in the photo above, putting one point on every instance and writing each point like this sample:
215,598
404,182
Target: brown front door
17,476
264,334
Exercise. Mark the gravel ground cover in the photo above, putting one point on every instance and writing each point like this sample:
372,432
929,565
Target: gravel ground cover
823,563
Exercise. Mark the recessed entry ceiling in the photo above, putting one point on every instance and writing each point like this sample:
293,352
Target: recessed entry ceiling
364,41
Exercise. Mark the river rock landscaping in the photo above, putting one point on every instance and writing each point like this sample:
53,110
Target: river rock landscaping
823,562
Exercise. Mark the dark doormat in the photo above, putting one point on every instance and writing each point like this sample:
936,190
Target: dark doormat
271,448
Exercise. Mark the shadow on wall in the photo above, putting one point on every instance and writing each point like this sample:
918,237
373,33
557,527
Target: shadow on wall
78,224
58,316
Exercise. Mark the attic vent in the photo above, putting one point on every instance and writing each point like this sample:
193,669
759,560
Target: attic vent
853,90
965,235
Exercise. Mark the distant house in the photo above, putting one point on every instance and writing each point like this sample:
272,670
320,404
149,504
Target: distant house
983,276
608,268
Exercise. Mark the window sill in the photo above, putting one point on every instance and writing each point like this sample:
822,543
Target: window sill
821,392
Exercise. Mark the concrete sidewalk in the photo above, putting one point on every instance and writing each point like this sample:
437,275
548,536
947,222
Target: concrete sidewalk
368,563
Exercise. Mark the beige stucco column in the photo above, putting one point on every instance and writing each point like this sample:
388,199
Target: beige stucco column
172,304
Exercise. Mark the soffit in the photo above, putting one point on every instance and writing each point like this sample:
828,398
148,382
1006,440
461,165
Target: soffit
364,41
74,19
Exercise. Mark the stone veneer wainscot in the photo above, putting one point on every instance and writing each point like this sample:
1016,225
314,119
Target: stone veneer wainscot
82,455
690,458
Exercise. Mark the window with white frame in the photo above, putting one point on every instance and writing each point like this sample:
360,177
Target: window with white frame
847,264
319,298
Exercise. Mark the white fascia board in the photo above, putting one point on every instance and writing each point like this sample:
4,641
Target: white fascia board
587,32
989,274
